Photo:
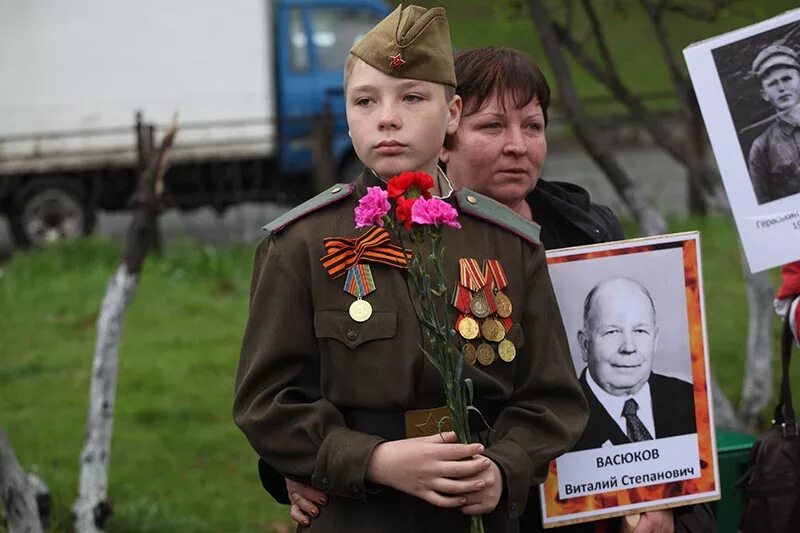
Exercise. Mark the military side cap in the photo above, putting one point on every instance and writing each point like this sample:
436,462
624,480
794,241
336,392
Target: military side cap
323,199
774,55
490,210
411,42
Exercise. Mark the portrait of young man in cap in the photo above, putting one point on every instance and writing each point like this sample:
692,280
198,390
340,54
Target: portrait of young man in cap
760,79
774,159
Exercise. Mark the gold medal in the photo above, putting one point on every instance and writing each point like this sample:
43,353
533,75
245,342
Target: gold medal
360,310
485,354
470,354
504,306
479,306
468,328
492,330
506,350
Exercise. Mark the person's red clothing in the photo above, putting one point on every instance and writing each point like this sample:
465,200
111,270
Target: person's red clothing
788,293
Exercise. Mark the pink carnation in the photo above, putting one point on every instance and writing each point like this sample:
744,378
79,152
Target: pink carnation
434,211
372,207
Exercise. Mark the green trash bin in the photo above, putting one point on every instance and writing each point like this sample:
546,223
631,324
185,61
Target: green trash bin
733,451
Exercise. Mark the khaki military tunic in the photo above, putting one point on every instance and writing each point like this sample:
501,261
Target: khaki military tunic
305,364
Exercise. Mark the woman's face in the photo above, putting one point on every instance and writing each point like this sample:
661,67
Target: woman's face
499,152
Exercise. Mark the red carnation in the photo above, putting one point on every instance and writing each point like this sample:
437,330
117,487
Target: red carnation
403,211
410,185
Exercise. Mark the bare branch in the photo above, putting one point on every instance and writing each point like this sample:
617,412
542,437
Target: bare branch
609,78
695,12
599,36
677,75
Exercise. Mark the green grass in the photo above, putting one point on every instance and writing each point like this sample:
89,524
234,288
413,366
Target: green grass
178,462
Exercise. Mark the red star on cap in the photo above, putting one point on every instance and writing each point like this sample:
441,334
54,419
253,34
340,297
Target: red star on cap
396,61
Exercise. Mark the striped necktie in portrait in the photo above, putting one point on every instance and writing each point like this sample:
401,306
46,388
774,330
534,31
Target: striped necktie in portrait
636,428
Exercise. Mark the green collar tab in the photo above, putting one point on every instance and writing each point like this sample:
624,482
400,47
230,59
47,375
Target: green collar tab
485,208
325,198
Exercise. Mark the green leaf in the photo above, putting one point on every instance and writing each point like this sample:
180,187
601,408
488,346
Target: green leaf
433,360
470,390
475,410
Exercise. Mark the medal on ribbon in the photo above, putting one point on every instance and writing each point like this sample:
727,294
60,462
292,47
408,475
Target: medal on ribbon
359,283
466,325
472,277
497,281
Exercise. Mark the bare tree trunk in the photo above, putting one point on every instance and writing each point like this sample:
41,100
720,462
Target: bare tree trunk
649,219
17,493
145,146
724,413
757,387
92,507
695,155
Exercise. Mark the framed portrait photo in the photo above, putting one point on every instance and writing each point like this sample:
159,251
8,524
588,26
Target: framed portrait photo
747,84
634,315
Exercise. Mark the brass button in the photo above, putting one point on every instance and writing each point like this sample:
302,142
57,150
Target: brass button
352,335
335,190
471,199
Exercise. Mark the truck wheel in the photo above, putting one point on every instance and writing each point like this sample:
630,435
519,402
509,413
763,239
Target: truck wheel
48,210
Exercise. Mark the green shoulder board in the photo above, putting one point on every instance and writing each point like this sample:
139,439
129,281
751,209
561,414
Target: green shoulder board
492,211
326,197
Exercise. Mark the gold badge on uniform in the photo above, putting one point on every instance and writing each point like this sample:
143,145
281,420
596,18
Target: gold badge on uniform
468,327
470,353
359,283
485,354
493,330
506,350
497,281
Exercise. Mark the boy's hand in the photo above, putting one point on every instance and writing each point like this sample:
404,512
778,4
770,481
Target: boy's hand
486,498
434,468
304,501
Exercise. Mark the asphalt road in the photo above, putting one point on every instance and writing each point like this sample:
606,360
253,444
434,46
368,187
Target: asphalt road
662,180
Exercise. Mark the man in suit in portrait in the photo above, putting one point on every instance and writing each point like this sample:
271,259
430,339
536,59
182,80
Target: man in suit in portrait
628,402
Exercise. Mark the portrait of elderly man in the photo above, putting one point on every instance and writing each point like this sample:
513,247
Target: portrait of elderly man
774,160
628,402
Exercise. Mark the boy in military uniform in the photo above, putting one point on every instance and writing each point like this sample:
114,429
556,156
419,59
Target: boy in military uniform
346,401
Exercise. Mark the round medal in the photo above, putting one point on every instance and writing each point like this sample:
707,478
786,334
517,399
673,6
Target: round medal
504,306
479,306
360,310
470,354
492,330
485,354
506,350
468,328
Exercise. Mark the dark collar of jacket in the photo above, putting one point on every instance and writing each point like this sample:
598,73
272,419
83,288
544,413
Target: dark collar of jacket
569,218
786,126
